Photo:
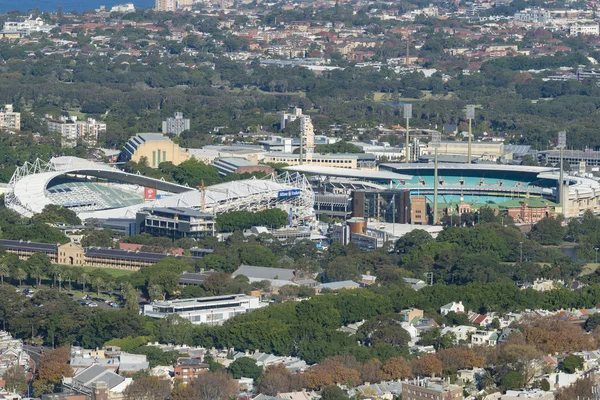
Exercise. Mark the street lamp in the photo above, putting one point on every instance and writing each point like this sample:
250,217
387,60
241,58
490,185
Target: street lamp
408,116
596,248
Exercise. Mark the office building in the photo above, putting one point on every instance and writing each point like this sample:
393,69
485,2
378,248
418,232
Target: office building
204,310
382,205
10,120
73,131
176,222
176,125
154,148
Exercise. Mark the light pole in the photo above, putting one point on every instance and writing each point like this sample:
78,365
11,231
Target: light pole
562,143
408,116
436,139
470,116
596,248
521,253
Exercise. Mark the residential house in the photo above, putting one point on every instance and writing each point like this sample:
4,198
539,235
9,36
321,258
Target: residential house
484,338
461,332
452,307
85,382
335,286
409,315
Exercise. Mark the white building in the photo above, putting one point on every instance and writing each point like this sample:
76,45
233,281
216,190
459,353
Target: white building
484,338
24,27
461,332
534,15
456,307
204,310
73,131
584,30
123,8
176,125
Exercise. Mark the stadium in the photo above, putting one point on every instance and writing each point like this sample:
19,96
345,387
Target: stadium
100,191
473,184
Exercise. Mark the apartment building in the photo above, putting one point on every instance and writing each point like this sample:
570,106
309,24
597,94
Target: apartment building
9,119
73,131
176,125
187,369
165,5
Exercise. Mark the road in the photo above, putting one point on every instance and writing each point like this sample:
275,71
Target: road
35,352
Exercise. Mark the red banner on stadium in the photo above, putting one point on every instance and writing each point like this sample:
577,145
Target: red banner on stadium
149,194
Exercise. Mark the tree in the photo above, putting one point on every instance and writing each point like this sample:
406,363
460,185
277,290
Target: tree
208,386
332,371
371,371
83,279
548,231
148,388
99,282
156,292
276,379
53,366
583,388
428,365
20,275
57,214
333,393
412,240
572,363
512,380
39,265
16,379
397,368
4,271
343,268
244,367
592,322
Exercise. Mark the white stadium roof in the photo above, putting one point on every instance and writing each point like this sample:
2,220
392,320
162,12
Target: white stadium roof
347,172
27,192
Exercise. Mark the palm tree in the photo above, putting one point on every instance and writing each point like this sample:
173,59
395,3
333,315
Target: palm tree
4,270
68,275
82,280
55,272
20,275
99,283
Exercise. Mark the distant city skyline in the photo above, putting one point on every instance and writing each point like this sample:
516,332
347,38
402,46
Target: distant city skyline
68,5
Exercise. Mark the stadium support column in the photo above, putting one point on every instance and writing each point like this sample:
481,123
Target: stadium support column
436,139
408,116
562,199
470,117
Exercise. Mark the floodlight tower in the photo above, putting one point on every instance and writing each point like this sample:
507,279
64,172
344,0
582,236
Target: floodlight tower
408,116
470,117
562,143
436,139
